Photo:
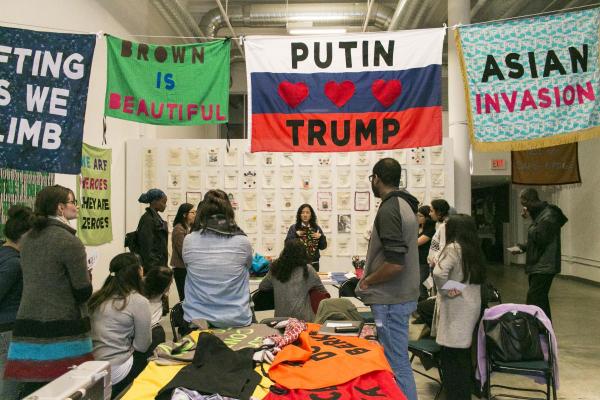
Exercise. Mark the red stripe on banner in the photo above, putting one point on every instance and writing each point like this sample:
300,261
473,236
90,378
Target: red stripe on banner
416,127
42,370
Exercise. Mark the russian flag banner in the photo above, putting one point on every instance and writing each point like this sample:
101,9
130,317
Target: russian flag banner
355,92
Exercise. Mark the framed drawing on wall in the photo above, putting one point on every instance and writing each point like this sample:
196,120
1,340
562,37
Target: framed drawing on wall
362,201
324,201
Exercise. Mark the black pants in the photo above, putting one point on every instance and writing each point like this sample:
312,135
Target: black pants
423,275
426,308
457,373
179,274
315,265
539,287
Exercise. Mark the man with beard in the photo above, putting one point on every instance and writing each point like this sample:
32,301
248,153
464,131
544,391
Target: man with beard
542,260
390,284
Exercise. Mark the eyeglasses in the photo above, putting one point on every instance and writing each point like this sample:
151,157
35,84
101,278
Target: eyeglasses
74,202
371,177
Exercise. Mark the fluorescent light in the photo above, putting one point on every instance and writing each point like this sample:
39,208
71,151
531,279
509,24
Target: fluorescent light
316,31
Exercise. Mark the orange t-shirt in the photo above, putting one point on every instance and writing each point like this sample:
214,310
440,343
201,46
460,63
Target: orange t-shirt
319,361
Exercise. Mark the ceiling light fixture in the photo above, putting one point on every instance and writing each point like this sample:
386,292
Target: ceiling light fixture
307,28
316,31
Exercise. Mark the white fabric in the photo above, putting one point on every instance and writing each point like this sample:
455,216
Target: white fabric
156,309
412,49
119,372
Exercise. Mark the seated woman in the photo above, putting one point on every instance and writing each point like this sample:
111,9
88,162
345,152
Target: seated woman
291,277
461,260
156,285
218,256
121,323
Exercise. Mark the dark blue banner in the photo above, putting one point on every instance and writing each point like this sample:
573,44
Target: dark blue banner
44,78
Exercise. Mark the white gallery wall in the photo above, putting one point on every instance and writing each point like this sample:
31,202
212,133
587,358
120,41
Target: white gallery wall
581,252
120,18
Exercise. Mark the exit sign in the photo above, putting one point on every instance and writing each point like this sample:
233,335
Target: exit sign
498,163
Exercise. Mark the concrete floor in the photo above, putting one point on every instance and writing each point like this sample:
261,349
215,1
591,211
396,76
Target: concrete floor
577,328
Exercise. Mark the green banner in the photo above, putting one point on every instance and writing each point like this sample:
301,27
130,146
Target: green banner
20,187
94,223
168,84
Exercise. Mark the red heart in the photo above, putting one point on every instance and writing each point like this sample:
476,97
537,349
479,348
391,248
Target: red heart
386,92
293,93
339,93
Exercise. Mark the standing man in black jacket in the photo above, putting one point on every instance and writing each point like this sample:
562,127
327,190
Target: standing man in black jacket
542,247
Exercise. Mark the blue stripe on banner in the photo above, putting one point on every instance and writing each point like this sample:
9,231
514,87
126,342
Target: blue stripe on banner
421,87
49,351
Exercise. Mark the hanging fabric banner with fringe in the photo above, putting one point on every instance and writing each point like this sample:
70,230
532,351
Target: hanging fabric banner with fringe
532,82
555,165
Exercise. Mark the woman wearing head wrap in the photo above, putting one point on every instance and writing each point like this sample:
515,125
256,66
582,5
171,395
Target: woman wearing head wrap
152,231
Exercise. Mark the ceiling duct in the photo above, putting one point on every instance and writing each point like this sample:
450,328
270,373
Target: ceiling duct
278,15
179,19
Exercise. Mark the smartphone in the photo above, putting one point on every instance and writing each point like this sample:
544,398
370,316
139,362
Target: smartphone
346,329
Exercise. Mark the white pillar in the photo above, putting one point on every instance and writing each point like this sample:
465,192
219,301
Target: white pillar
458,12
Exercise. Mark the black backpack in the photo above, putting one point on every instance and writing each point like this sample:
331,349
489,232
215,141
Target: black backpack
515,336
131,242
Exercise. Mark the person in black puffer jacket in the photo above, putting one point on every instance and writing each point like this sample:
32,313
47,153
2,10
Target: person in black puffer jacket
542,247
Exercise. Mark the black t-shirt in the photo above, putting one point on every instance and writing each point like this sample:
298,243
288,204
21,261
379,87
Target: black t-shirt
429,231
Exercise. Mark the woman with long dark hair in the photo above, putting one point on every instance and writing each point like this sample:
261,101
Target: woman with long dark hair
218,256
152,230
11,287
52,322
458,310
291,278
311,234
440,210
426,232
121,321
186,214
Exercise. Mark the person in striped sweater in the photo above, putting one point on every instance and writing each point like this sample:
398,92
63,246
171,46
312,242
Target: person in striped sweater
52,329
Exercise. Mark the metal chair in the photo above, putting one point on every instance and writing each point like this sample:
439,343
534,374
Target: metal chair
428,351
538,368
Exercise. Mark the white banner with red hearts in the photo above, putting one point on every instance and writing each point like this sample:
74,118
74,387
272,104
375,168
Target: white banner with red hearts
353,92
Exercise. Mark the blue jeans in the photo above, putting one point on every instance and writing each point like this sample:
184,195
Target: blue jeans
391,321
8,389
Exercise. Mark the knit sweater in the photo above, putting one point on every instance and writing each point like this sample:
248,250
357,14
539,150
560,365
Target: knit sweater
291,297
117,333
52,329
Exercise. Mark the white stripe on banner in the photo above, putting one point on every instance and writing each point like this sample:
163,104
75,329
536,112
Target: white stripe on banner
374,51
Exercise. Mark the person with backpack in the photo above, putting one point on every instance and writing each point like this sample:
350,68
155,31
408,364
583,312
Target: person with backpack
291,278
152,231
460,262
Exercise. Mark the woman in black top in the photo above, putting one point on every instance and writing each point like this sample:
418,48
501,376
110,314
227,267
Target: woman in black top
426,232
152,231
311,234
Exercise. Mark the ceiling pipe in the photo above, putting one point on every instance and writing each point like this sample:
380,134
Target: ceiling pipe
180,19
366,23
278,15
233,35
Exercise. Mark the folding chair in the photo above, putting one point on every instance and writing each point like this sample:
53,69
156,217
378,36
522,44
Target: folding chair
539,368
177,321
428,351
347,289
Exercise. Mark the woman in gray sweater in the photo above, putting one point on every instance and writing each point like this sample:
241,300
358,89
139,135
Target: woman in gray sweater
121,321
461,260
291,278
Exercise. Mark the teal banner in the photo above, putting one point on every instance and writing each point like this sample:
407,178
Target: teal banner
531,82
